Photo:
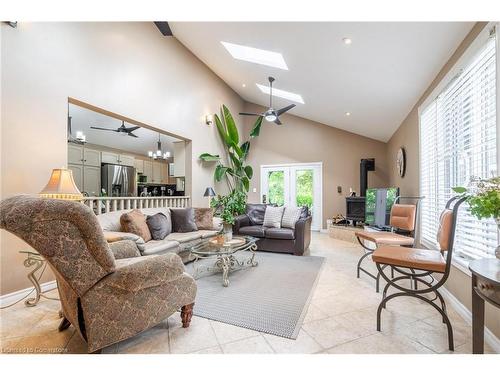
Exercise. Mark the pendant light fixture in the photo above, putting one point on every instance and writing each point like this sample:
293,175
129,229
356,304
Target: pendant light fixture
158,154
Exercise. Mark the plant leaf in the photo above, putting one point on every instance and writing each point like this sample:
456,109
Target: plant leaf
246,183
237,149
219,173
249,171
245,148
209,157
222,131
256,127
459,189
232,130
236,161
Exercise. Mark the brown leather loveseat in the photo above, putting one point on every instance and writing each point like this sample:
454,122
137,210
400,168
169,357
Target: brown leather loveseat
281,240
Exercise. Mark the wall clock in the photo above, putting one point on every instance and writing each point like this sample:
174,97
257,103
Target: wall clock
401,161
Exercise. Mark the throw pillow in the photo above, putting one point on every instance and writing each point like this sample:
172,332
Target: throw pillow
304,213
290,217
272,217
204,218
135,222
183,220
256,212
159,225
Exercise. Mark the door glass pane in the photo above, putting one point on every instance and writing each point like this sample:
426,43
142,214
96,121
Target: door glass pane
276,183
304,188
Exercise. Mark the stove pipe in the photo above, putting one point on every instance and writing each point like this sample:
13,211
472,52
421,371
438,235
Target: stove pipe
364,166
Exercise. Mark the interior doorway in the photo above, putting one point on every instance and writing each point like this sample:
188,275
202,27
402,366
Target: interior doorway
298,184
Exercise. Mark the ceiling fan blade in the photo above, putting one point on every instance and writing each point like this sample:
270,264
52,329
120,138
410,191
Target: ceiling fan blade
277,121
285,109
250,114
133,135
164,28
131,129
110,130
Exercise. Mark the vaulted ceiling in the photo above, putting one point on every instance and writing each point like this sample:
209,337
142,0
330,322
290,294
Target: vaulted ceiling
377,78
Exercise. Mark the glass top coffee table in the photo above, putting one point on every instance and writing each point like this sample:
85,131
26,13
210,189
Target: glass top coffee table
223,255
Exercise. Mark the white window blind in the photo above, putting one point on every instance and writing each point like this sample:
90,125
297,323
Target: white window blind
458,135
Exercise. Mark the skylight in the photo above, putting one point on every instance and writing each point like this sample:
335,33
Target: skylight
282,94
255,55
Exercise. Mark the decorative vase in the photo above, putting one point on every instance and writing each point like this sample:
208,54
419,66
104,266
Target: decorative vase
497,251
228,232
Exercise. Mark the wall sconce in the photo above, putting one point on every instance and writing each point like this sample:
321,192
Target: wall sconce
209,119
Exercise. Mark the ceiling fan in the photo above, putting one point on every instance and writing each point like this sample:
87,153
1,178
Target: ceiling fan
122,129
271,114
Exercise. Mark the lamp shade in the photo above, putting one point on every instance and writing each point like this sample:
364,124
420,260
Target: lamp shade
61,186
209,192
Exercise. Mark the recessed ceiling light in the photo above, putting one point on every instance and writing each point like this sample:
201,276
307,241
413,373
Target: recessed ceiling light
347,40
255,55
348,113
282,94
243,85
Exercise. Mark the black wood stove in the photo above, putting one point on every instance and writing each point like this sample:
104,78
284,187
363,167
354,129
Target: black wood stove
355,206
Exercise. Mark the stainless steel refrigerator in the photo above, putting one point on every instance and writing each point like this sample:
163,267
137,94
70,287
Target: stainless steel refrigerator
118,180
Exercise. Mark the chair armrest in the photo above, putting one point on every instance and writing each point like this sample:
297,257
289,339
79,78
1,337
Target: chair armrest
239,222
302,235
110,237
143,272
124,249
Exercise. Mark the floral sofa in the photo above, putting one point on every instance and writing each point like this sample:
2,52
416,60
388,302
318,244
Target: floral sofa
177,243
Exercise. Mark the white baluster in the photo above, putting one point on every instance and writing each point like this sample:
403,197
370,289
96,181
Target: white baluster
99,207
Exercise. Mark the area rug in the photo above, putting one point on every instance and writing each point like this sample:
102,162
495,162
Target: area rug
272,297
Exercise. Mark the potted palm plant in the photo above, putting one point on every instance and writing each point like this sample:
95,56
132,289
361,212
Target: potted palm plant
483,196
232,168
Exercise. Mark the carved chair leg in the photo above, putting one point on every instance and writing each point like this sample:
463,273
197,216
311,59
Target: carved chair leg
65,323
186,314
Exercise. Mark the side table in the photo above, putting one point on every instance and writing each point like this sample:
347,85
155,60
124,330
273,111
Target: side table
485,287
35,260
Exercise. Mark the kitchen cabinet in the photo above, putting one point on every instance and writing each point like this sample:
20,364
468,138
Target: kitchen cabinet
78,154
91,157
127,160
92,180
77,170
164,173
120,159
179,159
85,163
157,172
139,165
110,157
75,154
148,170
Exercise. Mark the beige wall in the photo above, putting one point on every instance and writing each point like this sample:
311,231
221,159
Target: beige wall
459,283
301,141
126,68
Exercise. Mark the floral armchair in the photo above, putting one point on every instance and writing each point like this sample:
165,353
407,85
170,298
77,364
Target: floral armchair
108,293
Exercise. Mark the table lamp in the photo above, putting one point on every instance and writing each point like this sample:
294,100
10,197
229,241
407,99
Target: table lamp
61,186
209,192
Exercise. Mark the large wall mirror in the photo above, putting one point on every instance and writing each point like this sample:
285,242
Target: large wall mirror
114,156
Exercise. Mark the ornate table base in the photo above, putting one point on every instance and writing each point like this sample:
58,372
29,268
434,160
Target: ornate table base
225,263
34,260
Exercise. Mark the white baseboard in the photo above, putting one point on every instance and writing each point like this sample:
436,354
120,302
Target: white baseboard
466,315
10,298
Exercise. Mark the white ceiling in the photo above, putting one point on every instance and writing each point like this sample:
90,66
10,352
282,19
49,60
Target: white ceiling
82,119
378,78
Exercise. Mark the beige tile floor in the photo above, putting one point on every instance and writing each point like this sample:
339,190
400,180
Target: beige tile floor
340,319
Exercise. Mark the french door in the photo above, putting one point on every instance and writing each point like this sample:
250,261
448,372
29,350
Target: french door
294,185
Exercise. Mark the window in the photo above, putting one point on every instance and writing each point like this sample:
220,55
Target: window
458,140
